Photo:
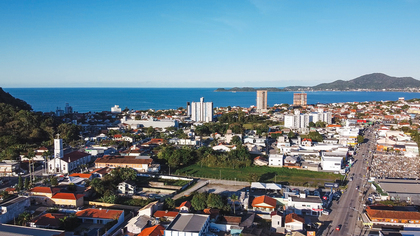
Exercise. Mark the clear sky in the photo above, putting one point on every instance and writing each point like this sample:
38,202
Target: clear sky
205,43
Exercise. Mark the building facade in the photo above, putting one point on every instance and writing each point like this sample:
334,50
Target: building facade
201,111
299,99
261,100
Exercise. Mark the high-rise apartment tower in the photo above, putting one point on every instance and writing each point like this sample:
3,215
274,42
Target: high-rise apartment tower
261,100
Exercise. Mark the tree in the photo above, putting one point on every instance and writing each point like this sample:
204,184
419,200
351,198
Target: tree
150,131
199,201
236,140
20,183
26,183
54,181
169,204
291,135
234,199
214,201
24,218
360,138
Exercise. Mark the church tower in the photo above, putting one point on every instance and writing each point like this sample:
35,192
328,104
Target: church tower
58,147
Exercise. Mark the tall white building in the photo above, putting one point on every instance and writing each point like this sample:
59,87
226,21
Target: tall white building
261,100
202,111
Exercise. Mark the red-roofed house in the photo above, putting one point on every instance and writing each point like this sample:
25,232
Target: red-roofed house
101,172
157,230
100,216
264,203
185,206
44,191
293,222
47,220
68,199
170,215
83,176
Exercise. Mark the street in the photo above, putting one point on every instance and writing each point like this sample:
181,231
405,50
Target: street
347,211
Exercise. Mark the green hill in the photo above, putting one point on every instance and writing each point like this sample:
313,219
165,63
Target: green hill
376,81
15,102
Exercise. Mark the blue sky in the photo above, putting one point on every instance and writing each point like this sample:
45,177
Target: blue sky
218,43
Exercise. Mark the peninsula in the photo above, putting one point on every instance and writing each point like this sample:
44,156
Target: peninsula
369,82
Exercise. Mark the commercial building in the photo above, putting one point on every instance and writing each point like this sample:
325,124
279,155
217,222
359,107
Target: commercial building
138,163
261,100
188,224
299,99
201,111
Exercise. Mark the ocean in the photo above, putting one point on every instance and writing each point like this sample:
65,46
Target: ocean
102,99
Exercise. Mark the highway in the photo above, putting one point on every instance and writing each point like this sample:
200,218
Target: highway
346,212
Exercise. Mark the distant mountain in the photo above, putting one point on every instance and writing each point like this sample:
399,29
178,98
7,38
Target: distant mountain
16,102
375,81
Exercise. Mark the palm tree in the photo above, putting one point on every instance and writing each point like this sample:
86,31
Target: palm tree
234,199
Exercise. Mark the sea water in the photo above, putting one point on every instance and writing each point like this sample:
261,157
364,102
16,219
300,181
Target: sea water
102,99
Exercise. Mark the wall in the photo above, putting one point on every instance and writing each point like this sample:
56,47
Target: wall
8,213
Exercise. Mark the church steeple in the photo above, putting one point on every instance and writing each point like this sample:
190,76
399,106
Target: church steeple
58,147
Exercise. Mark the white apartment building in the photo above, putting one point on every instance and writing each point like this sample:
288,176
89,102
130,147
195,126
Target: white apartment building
201,111
275,160
298,121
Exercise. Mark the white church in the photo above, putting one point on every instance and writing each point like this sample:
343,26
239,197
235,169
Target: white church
64,164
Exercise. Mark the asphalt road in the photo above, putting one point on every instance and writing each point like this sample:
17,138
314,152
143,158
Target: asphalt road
346,212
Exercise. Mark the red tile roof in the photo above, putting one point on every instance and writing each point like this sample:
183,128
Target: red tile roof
170,214
99,213
80,175
101,171
400,215
122,160
44,190
50,219
74,156
157,230
264,199
186,204
67,196
293,217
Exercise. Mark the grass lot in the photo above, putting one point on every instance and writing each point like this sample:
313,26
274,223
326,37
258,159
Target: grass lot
265,174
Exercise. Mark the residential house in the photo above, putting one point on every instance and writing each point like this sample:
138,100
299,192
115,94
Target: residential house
276,221
8,168
44,191
165,215
68,199
293,222
101,172
100,216
81,175
275,160
185,206
264,203
157,230
260,161
127,187
47,220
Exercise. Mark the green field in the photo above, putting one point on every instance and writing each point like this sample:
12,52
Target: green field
266,174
